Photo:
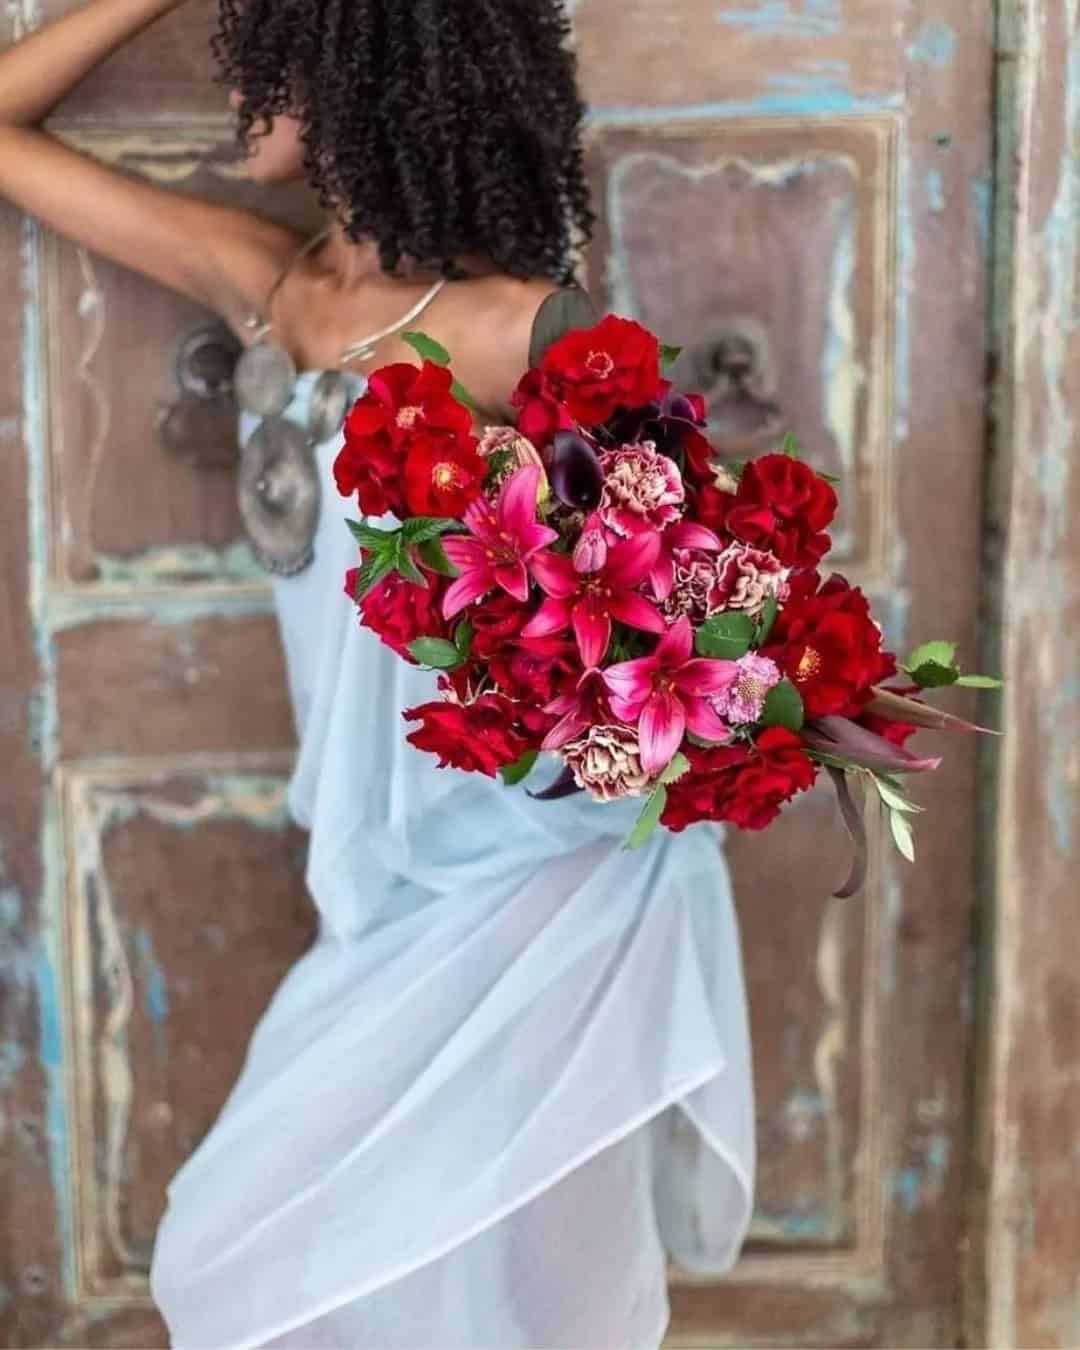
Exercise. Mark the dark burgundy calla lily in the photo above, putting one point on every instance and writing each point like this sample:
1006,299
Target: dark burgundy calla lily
574,471
668,423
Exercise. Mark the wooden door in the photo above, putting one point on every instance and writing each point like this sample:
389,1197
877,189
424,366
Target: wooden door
797,190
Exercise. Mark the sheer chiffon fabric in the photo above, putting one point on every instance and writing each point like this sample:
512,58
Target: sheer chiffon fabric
510,1076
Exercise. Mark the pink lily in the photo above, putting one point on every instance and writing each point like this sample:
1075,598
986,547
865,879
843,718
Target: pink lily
684,535
501,540
587,706
667,694
588,602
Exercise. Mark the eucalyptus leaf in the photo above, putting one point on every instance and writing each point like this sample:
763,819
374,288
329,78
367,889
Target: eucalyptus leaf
517,772
931,675
979,682
463,636
435,652
427,348
679,766
784,707
463,396
433,556
895,800
769,610
668,355
902,835
649,818
941,653
833,479
790,446
725,637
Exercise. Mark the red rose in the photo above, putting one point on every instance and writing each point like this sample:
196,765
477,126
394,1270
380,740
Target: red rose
743,784
830,648
398,611
594,371
783,506
479,737
541,413
443,475
400,402
532,671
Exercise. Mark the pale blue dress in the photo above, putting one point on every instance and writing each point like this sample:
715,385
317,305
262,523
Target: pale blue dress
510,1076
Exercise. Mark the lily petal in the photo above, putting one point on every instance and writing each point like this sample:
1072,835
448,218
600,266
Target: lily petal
662,577
553,616
517,501
704,722
464,552
631,561
630,684
464,591
703,675
687,534
555,575
565,730
674,648
592,628
635,610
514,579
661,730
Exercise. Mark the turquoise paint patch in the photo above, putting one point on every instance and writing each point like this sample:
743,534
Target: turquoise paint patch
157,566
982,204
157,995
934,44
906,1186
836,101
777,18
10,906
51,1058
935,191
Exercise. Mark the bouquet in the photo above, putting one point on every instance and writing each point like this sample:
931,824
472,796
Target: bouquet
594,582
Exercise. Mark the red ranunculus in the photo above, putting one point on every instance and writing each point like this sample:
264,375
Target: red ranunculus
710,506
594,371
783,506
743,784
443,475
830,648
400,403
533,671
399,612
479,737
541,413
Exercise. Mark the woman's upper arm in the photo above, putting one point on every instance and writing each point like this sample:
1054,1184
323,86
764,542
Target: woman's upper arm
220,256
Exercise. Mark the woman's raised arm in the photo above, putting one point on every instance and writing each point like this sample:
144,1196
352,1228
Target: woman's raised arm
222,257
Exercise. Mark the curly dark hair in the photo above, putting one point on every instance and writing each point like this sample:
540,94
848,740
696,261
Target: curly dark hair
444,127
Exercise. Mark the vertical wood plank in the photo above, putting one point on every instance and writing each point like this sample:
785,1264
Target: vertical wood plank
1031,1226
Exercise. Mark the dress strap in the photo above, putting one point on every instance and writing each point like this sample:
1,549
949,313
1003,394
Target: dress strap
561,312
364,349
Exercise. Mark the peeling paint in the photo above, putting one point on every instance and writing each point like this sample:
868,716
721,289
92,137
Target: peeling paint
982,205
777,18
837,101
933,44
232,562
935,191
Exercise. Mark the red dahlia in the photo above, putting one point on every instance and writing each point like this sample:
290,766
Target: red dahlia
830,648
479,737
783,506
743,784
399,612
595,371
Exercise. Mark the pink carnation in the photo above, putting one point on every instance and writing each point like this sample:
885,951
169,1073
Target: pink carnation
697,590
748,576
743,700
643,490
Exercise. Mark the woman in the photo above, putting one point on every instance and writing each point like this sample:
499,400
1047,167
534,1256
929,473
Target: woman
514,1066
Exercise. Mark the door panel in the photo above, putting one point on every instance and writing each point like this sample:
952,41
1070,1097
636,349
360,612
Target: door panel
796,190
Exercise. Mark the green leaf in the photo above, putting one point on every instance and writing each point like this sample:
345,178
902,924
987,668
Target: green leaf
668,355
515,773
463,396
649,818
375,541
378,566
679,766
433,556
893,798
902,835
436,652
979,682
832,478
784,707
403,563
769,610
725,637
419,529
930,675
463,636
940,653
790,446
427,348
